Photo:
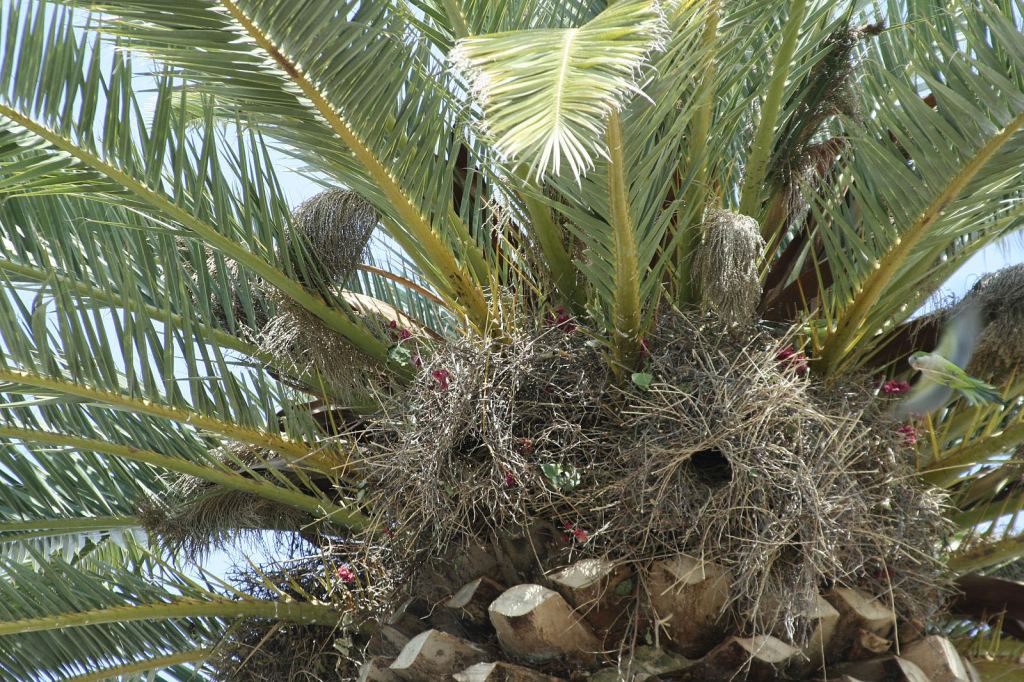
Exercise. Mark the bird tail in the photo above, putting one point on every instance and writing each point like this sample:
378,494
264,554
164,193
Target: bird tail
978,392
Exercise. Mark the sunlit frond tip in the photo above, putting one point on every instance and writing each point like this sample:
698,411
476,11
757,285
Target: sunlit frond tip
546,93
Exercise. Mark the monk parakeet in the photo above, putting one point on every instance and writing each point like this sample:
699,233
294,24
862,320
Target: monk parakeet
942,369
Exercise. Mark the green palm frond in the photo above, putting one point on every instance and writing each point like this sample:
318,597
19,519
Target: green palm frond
322,116
109,615
919,178
546,93
181,184
63,501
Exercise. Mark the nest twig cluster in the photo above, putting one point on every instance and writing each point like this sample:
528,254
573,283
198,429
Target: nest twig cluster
267,650
465,471
731,455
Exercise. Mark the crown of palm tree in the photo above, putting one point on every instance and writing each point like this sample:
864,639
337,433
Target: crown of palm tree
517,159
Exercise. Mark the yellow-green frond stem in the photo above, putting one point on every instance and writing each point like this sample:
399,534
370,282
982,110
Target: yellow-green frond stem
760,151
699,192
289,611
294,451
985,555
549,237
946,471
458,20
153,663
626,302
988,512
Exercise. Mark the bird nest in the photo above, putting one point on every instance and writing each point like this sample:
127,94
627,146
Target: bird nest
733,453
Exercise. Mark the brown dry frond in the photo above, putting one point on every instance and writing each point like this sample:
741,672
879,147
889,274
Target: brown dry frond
725,266
731,455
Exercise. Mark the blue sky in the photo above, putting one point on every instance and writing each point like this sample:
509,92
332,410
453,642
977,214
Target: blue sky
1010,251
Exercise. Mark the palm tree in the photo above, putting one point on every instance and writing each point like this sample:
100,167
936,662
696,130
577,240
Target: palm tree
608,224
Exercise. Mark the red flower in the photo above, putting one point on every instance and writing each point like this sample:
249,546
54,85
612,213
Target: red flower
346,574
562,320
441,376
796,360
893,387
404,334
510,480
579,534
392,324
909,434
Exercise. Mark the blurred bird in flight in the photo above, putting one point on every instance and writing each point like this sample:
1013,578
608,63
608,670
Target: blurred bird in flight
942,370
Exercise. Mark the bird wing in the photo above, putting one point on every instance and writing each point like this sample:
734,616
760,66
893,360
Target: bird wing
960,335
926,396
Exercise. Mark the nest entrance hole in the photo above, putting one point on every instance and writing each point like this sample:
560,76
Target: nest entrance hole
711,467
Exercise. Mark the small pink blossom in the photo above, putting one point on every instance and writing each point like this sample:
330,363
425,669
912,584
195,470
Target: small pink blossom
893,387
404,334
441,376
510,480
392,324
909,434
346,574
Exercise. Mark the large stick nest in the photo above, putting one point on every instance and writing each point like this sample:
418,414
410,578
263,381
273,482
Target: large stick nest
732,454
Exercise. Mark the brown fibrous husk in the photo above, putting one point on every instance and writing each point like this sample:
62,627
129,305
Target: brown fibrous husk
303,345
733,454
335,225
197,516
725,266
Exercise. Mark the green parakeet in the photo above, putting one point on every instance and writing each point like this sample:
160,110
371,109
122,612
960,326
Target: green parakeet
942,369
